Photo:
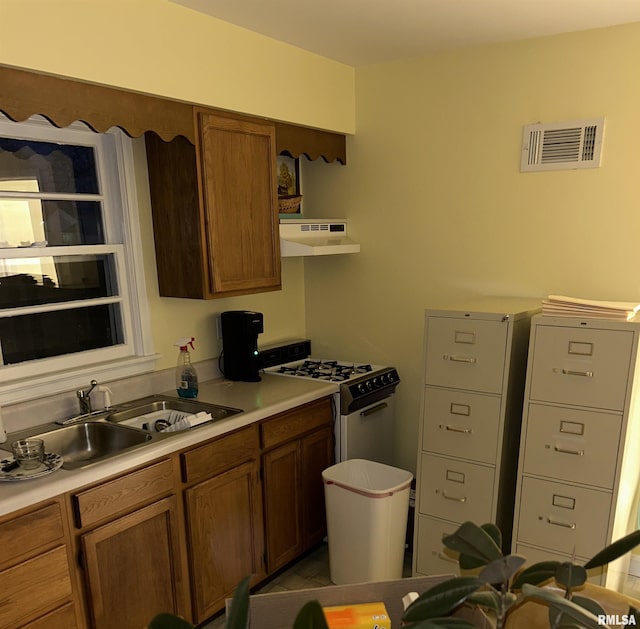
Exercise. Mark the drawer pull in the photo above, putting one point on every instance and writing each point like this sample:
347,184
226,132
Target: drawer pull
465,431
568,451
565,525
444,557
460,359
571,372
454,498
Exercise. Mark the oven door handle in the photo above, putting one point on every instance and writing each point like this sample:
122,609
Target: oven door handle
373,409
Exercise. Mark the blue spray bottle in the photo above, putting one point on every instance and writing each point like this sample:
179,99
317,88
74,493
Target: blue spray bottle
186,376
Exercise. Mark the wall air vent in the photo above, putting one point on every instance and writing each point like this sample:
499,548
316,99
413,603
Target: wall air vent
562,145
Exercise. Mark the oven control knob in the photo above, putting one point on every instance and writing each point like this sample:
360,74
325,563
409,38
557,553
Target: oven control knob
376,382
369,385
384,378
362,388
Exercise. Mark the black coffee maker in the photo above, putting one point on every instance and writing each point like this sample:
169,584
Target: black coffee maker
240,359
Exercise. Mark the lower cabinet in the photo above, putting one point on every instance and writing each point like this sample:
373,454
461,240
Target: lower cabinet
224,519
130,549
297,446
132,567
35,574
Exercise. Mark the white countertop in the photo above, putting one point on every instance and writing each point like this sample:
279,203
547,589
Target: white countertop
272,395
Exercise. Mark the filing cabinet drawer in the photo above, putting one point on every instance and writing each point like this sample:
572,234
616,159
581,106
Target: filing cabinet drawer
466,354
562,517
536,555
461,424
431,555
583,367
573,445
455,490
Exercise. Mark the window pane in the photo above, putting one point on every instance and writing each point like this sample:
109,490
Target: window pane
58,223
47,280
47,167
47,334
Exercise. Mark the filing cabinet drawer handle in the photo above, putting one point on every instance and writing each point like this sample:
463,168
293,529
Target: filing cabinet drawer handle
454,498
565,525
444,557
460,359
465,431
568,451
571,372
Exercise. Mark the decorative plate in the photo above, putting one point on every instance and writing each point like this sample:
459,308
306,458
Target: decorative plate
51,463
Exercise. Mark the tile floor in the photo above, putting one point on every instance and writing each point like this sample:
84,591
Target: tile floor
311,571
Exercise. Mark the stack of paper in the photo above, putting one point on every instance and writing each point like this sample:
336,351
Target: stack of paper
561,306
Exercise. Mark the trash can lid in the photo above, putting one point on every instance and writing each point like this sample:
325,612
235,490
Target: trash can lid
370,477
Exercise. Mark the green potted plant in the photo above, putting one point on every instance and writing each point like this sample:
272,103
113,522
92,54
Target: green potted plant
500,594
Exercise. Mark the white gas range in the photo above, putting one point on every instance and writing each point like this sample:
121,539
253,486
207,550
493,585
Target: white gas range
364,416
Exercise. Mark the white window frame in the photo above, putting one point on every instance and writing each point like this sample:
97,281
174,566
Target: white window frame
118,194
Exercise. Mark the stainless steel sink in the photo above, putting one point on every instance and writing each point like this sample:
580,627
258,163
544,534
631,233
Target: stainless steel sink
140,413
89,442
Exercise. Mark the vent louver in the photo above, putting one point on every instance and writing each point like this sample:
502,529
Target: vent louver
562,145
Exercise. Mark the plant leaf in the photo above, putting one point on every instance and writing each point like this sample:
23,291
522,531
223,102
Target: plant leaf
239,612
485,599
471,539
441,599
570,575
535,574
615,550
310,616
501,570
582,616
169,621
467,562
588,603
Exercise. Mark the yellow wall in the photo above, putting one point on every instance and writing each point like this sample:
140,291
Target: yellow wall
434,194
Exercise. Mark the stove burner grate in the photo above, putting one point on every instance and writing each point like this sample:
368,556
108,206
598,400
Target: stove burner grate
330,370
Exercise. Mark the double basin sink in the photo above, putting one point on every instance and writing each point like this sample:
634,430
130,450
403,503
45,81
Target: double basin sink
102,435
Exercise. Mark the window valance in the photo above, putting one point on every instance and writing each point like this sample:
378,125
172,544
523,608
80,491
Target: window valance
64,101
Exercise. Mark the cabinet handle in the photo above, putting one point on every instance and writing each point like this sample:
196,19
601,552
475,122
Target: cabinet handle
465,431
447,497
570,372
568,451
446,558
459,359
565,525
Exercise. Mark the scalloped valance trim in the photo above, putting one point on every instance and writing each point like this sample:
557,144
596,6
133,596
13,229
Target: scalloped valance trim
65,101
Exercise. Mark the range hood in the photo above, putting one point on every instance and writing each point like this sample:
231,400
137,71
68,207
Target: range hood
313,237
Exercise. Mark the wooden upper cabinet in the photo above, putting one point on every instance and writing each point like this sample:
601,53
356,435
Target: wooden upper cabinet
238,162
214,206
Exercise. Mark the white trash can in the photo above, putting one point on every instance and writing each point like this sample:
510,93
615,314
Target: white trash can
367,505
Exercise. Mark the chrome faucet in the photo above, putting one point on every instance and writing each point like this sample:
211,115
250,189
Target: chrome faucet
84,398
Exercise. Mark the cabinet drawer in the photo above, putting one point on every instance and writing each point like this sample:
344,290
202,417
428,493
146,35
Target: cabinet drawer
455,490
23,534
465,354
33,586
295,423
581,366
431,555
124,493
573,445
220,455
62,618
562,517
461,424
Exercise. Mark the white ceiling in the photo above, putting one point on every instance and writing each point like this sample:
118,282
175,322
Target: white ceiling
361,32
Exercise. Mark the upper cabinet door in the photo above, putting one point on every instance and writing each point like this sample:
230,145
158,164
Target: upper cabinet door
238,161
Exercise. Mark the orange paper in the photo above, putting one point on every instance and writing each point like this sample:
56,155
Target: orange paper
361,616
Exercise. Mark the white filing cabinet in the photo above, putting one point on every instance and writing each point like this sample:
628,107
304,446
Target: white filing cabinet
580,446
474,373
